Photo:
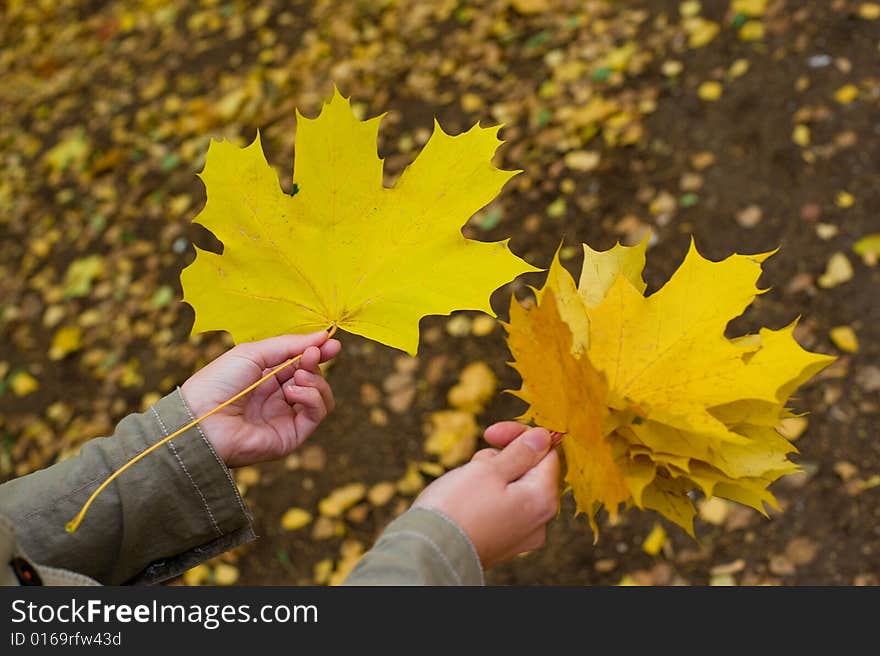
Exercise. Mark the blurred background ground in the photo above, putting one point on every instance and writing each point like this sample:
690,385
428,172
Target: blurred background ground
750,124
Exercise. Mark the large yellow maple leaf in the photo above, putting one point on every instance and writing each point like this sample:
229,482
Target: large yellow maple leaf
654,399
345,250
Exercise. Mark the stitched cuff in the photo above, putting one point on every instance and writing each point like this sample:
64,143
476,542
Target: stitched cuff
212,492
421,547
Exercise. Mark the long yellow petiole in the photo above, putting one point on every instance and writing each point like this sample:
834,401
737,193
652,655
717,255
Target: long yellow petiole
74,523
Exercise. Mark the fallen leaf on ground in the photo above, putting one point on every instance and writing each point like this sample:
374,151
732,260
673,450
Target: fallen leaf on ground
412,482
838,271
714,510
653,544
22,383
225,574
341,499
349,554
791,428
453,436
295,518
868,247
844,338
476,385
66,340
381,493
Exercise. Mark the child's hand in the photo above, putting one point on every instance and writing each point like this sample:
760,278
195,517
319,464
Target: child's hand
502,499
274,419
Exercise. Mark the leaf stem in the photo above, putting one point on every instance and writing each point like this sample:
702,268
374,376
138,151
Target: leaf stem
74,523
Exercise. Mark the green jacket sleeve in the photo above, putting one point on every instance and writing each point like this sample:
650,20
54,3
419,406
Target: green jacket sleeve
421,547
172,510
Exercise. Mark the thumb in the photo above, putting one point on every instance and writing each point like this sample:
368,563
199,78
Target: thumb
522,454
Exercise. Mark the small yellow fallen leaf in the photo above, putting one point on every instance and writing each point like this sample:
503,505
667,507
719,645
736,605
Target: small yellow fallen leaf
66,340
582,160
722,580
341,499
714,510
749,7
869,10
80,274
412,481
801,135
844,199
710,91
700,31
689,8
432,469
350,553
459,325
653,544
381,493
471,102
868,247
476,385
325,528
826,231
846,94
846,470
295,518
23,384
791,428
70,152
671,67
322,571
838,270
751,31
247,476
844,338
197,575
453,436
530,6
483,325
738,68
131,374
225,574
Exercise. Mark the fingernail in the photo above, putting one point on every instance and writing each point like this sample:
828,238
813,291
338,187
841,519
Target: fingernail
538,439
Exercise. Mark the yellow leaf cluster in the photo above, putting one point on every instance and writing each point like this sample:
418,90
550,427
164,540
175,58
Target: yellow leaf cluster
654,400
344,249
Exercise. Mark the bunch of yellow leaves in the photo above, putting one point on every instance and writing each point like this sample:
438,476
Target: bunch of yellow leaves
654,400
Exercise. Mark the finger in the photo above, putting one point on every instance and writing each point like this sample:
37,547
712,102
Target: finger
310,359
271,352
308,407
504,432
485,454
305,378
522,454
538,489
544,475
330,349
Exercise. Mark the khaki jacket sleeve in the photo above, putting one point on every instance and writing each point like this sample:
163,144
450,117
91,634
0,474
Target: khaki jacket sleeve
421,547
172,510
